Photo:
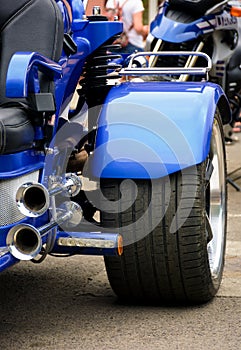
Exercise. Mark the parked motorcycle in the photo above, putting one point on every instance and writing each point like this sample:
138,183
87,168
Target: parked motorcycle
95,160
213,27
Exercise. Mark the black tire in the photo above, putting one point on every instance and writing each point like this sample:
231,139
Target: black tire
168,264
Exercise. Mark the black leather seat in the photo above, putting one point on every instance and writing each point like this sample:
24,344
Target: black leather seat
26,25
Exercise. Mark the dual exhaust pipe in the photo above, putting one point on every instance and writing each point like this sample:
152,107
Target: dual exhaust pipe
25,241
33,200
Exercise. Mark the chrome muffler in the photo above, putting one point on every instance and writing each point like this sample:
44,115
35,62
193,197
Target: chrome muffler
33,199
25,242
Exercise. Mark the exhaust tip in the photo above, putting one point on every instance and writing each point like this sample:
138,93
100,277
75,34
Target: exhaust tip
32,199
24,242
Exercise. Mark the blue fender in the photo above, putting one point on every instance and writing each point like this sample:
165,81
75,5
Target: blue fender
171,30
152,129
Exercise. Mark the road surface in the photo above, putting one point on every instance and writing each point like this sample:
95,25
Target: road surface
67,304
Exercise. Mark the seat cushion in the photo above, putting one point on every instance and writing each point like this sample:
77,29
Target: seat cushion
32,26
16,129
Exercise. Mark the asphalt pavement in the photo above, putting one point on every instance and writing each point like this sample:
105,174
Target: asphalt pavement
67,304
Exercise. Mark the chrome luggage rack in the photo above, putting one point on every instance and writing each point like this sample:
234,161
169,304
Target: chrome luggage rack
184,72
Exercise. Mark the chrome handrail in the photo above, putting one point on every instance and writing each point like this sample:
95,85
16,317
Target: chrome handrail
132,70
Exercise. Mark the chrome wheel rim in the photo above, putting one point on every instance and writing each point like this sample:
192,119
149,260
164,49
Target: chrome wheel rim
216,206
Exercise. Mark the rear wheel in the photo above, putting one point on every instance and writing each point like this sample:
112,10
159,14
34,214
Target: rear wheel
174,232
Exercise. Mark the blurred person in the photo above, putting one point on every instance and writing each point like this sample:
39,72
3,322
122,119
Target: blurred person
130,12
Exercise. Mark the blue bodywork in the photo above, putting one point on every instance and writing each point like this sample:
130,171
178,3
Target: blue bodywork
145,130
149,130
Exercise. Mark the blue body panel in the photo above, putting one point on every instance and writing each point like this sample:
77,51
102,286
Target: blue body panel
7,260
172,30
18,164
149,130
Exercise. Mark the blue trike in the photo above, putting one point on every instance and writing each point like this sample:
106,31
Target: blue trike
99,159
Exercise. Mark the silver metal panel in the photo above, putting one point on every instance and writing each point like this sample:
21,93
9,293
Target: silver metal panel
9,212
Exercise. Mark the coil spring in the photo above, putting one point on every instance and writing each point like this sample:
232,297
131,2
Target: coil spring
98,67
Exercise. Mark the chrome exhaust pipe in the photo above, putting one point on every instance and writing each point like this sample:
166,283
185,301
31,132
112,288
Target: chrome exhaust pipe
33,199
24,241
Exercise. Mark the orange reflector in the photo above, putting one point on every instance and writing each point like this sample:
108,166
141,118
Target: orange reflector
235,11
120,245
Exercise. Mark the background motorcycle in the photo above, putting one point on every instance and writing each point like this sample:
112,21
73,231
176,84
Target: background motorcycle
202,26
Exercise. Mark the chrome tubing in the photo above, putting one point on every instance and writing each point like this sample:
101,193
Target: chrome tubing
131,70
24,241
71,185
33,199
90,243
